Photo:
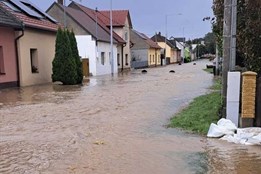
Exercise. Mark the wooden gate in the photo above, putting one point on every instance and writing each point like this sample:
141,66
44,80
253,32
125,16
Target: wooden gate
85,67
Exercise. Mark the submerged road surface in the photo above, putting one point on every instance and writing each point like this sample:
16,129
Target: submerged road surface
114,125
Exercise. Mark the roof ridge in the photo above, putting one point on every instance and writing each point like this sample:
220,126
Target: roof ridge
99,22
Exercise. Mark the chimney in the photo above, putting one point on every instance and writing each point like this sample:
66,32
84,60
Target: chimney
60,2
159,33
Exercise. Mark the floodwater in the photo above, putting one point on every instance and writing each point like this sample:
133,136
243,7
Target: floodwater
114,125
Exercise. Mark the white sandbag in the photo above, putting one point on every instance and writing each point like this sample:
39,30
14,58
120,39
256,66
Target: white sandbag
227,124
216,131
231,139
223,127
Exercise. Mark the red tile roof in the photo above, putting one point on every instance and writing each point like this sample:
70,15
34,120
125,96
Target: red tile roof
32,22
119,17
92,14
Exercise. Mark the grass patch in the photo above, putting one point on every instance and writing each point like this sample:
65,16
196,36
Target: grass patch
201,112
217,84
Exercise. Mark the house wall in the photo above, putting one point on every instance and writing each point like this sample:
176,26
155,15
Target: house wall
106,68
57,13
8,75
141,58
44,43
168,49
126,50
86,47
156,53
176,56
181,47
119,62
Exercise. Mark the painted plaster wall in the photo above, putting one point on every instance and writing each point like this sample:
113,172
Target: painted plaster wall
181,47
44,42
126,50
86,47
7,42
106,68
168,49
57,13
156,53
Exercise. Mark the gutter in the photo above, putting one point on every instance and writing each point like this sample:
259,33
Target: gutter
17,59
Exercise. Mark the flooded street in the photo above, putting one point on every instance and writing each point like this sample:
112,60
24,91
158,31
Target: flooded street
114,125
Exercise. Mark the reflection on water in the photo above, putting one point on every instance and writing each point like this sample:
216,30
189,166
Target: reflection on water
55,129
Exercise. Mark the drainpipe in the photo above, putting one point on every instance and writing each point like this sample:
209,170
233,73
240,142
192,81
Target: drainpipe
17,59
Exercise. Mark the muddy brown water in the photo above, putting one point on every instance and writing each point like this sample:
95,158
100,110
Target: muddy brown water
114,125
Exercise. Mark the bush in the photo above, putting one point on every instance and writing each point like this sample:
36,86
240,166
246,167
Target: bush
187,59
64,63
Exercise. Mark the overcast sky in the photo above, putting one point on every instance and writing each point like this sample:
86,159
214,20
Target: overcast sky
184,17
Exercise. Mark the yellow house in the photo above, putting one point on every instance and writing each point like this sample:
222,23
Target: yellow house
35,44
170,50
145,52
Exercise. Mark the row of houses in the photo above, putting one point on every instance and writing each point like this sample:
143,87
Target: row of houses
27,42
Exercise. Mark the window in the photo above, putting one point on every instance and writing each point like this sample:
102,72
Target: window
150,59
118,59
34,60
153,58
126,59
102,58
2,66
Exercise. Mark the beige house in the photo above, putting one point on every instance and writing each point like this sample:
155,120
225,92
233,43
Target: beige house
35,43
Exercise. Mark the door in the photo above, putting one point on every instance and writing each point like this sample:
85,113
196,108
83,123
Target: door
85,67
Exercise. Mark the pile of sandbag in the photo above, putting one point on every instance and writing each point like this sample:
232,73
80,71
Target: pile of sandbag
226,130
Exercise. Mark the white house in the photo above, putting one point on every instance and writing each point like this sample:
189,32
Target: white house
93,39
99,57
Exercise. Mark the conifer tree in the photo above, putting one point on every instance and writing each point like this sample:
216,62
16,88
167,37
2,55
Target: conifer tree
64,67
77,58
57,61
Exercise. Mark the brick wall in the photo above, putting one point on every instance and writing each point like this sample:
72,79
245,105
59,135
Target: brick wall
248,94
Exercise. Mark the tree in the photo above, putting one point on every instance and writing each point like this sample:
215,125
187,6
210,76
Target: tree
217,24
64,66
248,31
77,58
210,43
57,61
249,34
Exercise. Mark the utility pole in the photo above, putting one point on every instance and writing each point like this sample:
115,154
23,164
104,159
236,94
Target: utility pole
233,35
111,29
226,51
166,36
